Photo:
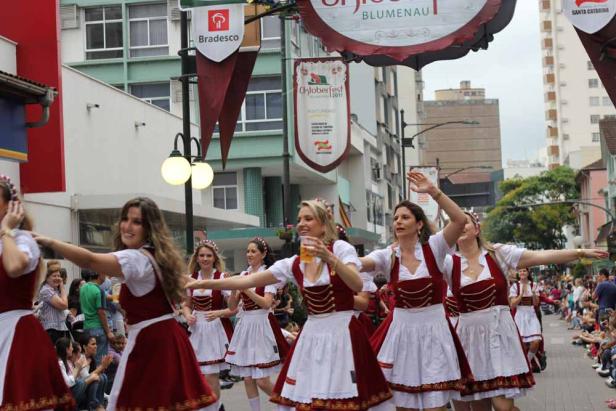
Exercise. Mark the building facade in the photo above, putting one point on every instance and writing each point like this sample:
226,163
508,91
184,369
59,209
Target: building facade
592,181
575,99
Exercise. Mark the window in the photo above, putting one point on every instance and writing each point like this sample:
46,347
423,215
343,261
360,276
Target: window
270,32
154,93
262,109
594,101
595,137
374,209
147,25
593,83
224,188
589,65
103,32
594,119
607,101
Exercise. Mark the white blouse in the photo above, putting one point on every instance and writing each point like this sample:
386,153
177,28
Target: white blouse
26,244
513,290
282,269
200,292
383,258
137,271
269,289
507,258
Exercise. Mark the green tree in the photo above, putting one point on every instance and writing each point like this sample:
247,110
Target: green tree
536,227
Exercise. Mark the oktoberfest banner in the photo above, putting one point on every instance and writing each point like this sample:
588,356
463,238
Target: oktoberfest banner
424,200
322,112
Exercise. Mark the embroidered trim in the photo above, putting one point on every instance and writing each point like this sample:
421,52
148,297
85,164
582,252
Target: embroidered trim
515,381
455,385
343,404
429,285
385,365
261,365
290,381
213,362
191,404
40,404
481,291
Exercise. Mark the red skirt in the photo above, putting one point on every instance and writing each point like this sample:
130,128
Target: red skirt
162,372
33,379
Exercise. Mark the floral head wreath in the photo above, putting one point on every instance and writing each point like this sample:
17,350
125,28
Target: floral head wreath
261,242
474,217
207,243
323,201
341,229
10,185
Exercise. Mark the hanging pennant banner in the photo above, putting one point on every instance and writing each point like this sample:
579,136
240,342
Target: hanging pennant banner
322,112
590,16
218,30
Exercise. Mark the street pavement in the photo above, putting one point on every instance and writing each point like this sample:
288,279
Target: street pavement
568,384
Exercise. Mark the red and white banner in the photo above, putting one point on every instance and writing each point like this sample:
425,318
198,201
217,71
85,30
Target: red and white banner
590,16
218,30
322,112
427,203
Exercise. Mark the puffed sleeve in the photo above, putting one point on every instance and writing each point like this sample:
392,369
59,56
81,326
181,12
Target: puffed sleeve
346,253
46,294
137,270
281,269
508,255
513,290
368,284
440,249
382,261
26,244
448,268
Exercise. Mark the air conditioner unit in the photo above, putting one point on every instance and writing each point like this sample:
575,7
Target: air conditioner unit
69,17
563,83
563,102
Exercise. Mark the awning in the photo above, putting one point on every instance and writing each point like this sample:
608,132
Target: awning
22,89
604,231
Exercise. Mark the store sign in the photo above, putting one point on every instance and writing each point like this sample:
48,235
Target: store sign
189,4
218,30
322,112
397,28
590,16
424,200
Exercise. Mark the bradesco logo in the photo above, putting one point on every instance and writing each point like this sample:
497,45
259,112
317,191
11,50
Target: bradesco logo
218,20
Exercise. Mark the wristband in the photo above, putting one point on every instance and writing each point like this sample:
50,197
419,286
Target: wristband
437,195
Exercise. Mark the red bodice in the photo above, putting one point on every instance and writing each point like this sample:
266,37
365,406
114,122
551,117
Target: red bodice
16,293
248,304
151,305
481,294
525,301
320,299
208,302
421,292
451,306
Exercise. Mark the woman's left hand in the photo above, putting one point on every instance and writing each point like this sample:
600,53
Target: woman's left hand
595,253
418,182
212,315
316,247
13,217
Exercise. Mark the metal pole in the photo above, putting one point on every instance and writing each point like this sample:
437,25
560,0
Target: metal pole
286,172
186,131
403,171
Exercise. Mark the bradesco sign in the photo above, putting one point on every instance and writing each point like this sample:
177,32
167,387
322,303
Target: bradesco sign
218,30
397,28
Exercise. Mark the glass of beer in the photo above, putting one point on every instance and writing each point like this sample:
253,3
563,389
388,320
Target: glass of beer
304,256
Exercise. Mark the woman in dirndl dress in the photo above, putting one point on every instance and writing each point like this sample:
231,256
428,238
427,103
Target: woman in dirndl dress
331,365
523,298
485,327
158,368
207,314
258,347
30,379
418,349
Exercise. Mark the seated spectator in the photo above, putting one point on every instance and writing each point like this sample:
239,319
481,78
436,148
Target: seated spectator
283,306
92,367
53,303
115,351
73,297
84,390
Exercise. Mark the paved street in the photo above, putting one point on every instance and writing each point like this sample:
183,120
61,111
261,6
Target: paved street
568,384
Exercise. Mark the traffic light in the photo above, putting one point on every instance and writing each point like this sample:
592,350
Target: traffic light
611,246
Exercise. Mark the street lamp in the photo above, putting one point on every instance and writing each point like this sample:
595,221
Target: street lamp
408,142
177,169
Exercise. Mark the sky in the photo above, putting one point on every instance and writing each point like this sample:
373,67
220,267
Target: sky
510,70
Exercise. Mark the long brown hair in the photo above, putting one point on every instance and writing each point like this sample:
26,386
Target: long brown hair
481,242
158,236
193,264
426,229
320,213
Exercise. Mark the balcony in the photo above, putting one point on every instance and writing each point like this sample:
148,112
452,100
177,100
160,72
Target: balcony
546,26
551,115
550,96
549,78
552,132
553,151
545,5
548,60
547,43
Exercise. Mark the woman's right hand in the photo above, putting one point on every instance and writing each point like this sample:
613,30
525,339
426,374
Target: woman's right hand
42,240
13,216
190,319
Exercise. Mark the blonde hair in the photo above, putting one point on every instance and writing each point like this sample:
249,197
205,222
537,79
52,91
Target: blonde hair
318,210
193,264
481,242
158,236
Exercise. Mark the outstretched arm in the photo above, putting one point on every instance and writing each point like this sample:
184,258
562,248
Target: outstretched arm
543,257
237,282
